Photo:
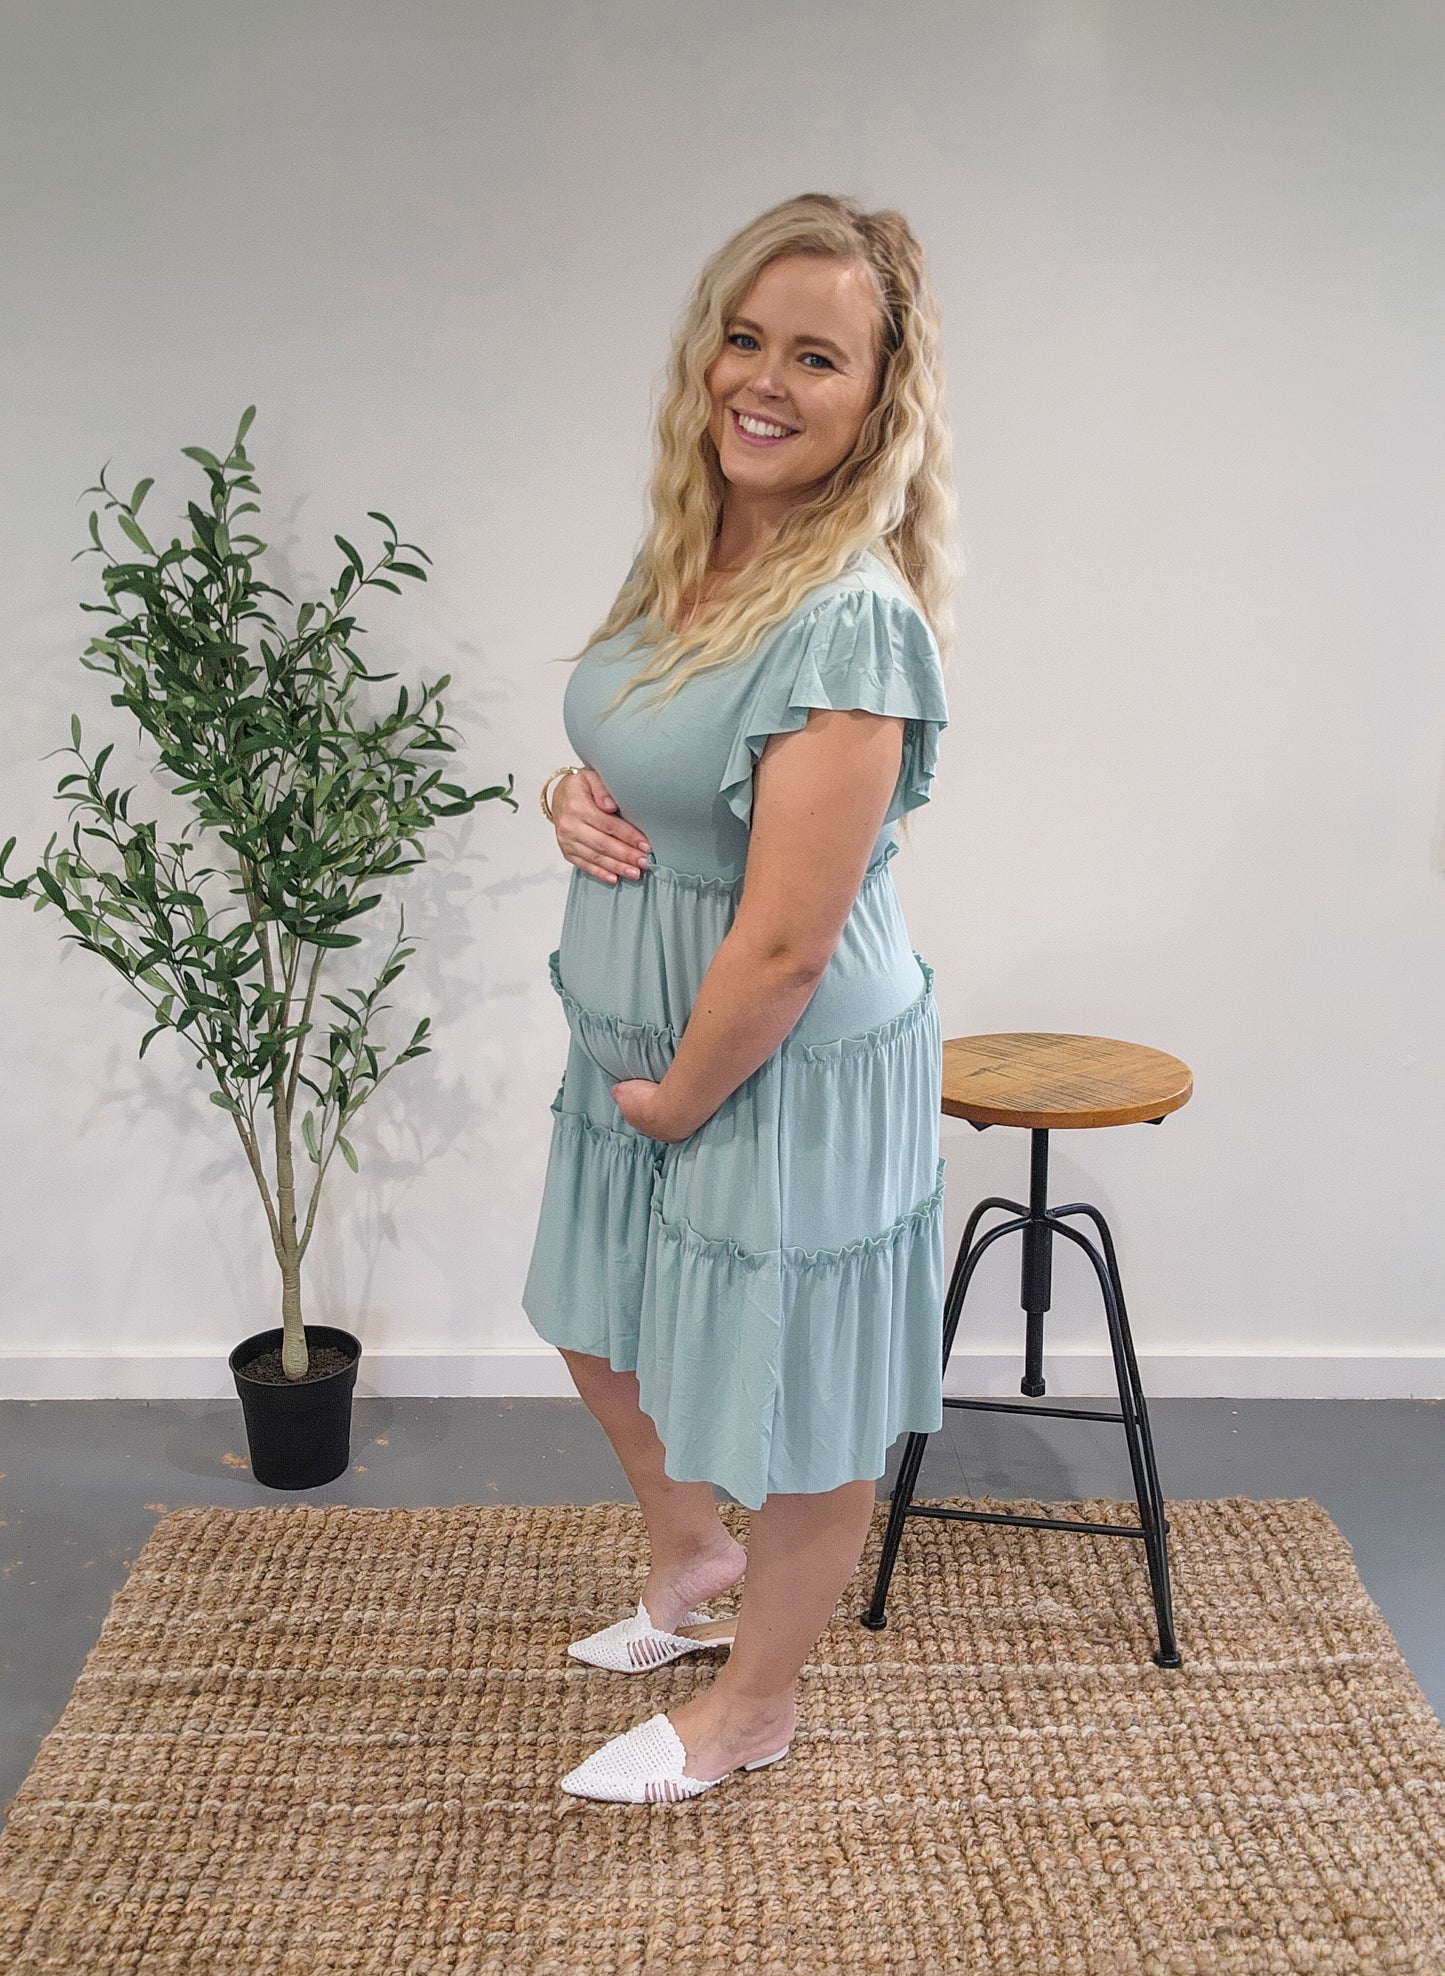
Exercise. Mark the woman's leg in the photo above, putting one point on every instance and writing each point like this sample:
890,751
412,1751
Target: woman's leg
694,1556
802,1551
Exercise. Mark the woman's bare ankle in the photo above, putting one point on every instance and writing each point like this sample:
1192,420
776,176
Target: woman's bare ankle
690,1577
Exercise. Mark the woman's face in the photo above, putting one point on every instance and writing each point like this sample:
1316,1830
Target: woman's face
798,353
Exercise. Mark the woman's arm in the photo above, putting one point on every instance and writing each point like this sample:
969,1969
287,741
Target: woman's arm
819,798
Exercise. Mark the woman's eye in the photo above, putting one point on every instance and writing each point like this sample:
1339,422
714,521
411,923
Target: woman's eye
742,336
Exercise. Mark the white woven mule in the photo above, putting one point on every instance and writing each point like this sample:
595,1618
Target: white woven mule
644,1766
633,1645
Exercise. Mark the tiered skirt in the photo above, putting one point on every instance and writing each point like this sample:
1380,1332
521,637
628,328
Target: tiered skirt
775,1279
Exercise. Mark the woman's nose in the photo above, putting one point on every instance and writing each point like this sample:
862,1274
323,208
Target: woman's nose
763,380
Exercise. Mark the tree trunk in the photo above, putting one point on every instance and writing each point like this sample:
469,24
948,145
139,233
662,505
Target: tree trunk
295,1359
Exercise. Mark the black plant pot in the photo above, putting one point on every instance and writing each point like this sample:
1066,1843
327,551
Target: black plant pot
298,1430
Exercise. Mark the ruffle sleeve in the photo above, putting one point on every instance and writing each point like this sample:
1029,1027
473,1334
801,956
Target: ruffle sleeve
858,648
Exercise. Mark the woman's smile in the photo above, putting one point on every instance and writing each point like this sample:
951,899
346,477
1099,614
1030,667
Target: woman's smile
755,431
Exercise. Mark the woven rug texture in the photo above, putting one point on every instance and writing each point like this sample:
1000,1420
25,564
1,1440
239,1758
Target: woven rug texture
328,1739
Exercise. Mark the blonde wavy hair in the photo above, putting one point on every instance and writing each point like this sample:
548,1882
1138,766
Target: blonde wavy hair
893,494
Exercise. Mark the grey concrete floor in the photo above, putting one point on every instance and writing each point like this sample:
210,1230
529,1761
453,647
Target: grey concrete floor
82,1484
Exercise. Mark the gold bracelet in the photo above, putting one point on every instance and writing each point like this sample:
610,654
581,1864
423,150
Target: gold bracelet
572,768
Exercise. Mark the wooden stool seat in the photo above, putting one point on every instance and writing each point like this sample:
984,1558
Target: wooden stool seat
1057,1081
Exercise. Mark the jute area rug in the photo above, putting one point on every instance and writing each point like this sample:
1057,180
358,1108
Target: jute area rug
329,1739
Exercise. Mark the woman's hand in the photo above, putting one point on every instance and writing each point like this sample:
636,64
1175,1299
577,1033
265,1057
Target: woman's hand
591,832
640,1103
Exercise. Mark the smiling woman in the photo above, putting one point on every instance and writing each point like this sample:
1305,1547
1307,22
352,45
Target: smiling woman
740,1243
799,393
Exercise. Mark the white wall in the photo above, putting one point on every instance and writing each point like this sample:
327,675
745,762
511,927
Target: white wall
1190,260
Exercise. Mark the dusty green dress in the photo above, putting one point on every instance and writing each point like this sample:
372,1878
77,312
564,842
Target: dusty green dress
775,1279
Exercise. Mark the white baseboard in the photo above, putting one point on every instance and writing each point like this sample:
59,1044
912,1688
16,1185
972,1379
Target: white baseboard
537,1372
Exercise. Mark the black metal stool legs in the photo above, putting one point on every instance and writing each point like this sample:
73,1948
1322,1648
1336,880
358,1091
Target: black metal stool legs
1135,1415
901,1499
1039,1224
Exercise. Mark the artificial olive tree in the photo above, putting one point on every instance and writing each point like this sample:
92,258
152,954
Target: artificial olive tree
302,801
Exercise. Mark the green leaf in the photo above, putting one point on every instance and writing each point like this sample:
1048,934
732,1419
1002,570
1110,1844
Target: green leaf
206,459
142,488
245,426
75,730
407,569
351,556
375,514
150,1033
347,1153
308,1133
134,531
226,1104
